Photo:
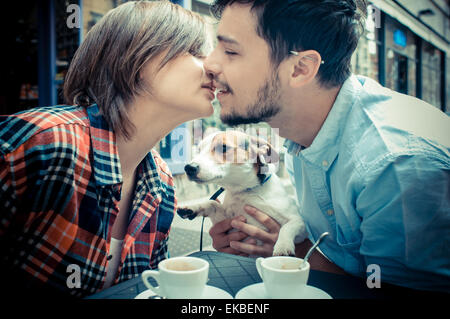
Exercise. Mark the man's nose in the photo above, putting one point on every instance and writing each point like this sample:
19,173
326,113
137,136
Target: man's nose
211,66
192,169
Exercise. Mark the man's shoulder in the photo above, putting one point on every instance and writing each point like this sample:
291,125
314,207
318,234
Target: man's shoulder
393,113
385,125
41,124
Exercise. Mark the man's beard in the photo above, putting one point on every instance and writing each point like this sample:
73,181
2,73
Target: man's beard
265,107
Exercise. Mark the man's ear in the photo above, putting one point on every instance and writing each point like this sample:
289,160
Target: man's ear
304,68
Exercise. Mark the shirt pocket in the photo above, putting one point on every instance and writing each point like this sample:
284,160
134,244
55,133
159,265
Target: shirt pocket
348,232
350,244
345,239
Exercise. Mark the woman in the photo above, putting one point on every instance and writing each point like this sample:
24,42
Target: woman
85,201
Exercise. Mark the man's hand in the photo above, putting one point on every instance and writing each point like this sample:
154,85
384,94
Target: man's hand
222,235
268,238
317,260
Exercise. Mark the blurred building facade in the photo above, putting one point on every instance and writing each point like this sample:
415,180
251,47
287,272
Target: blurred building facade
405,47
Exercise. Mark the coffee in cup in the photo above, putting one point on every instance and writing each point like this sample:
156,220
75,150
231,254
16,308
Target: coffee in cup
180,265
284,277
178,278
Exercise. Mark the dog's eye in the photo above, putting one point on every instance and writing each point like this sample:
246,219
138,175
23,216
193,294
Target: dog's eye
221,148
244,144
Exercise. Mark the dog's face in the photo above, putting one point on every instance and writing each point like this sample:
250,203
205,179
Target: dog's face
232,159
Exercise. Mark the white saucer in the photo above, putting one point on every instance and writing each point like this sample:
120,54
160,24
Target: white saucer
258,291
210,292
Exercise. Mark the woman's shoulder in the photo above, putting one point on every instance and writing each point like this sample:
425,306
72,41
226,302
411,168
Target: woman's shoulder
44,125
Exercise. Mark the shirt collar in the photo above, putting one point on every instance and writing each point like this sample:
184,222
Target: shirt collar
149,174
107,170
324,149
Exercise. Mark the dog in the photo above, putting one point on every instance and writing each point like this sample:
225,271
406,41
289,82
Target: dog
244,166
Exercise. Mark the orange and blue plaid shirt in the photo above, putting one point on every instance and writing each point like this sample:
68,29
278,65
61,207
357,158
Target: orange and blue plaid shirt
60,185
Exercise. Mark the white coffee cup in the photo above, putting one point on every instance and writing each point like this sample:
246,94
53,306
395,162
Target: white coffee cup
282,277
179,278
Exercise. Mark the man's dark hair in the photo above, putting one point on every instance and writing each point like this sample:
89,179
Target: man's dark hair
331,27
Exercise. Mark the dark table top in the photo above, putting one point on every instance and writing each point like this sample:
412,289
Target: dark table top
232,273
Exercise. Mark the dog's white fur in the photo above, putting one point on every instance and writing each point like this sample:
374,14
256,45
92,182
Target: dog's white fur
243,187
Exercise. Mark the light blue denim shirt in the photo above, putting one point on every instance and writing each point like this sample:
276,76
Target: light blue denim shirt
377,177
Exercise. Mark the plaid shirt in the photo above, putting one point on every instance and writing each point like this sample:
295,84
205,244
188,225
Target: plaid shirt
60,185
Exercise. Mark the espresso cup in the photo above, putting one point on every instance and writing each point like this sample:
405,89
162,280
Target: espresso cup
178,278
282,276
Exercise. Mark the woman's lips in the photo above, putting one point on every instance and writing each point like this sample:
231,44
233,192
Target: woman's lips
211,92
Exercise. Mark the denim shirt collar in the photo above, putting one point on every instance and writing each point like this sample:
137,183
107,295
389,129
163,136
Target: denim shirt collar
325,147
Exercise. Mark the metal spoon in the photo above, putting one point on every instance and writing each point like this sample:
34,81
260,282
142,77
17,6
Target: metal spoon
313,247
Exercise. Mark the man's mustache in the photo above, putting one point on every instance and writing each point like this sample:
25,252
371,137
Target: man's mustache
221,85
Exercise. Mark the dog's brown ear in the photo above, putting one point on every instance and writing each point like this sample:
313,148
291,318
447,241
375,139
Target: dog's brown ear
264,153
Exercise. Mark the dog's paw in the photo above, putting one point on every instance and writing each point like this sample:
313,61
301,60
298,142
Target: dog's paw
284,249
185,212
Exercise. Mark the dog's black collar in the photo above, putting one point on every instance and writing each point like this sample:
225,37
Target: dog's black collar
217,193
221,190
262,183
266,179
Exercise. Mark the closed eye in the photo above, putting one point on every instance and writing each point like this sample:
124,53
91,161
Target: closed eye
230,52
197,54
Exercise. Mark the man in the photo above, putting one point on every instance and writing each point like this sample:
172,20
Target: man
370,166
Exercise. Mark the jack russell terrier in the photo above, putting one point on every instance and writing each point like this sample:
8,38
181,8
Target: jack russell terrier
238,163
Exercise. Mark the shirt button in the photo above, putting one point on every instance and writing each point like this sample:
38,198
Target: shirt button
325,163
330,212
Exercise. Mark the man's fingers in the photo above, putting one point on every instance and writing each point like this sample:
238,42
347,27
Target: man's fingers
224,225
220,227
250,249
250,240
236,236
262,218
222,235
253,231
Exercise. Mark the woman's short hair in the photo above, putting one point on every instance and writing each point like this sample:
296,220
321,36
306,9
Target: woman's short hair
106,67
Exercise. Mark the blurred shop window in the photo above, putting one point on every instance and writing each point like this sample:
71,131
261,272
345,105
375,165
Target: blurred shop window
365,58
431,74
67,42
401,58
19,63
397,72
94,10
202,7
447,89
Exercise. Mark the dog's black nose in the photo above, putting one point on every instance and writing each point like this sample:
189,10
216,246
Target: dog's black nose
192,169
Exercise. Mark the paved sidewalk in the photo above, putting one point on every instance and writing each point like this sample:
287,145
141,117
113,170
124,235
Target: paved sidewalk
184,236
